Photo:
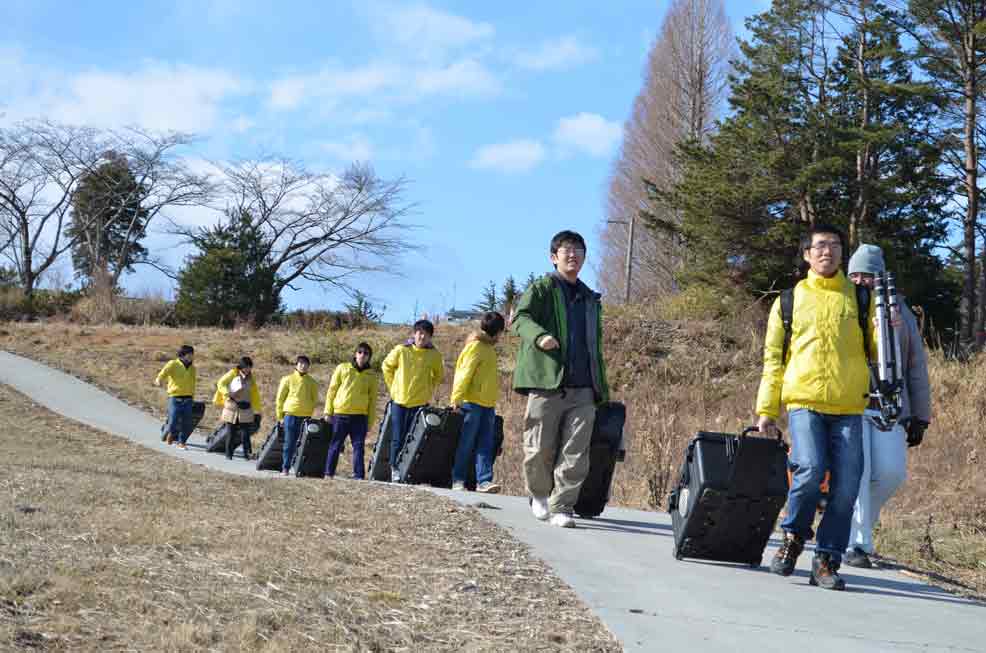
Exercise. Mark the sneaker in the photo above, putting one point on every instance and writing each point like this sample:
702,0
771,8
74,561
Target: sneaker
182,445
285,472
563,520
825,573
488,487
170,439
540,508
787,556
856,557
459,486
394,476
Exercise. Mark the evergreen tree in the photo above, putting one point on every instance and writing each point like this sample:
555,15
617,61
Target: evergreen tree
509,296
531,278
840,137
361,311
230,278
489,300
107,221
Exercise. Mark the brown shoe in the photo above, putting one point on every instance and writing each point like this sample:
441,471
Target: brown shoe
170,439
825,573
787,556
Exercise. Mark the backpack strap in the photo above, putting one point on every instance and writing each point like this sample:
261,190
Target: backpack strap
863,308
787,316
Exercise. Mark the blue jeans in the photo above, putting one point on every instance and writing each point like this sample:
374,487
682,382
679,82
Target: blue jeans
401,418
292,433
475,444
818,442
180,418
355,427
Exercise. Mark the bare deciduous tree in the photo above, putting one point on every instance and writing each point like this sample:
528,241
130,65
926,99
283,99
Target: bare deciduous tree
40,166
319,227
685,83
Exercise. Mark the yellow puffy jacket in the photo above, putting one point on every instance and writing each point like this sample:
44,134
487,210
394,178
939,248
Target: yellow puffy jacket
297,395
476,379
412,374
352,392
826,368
181,380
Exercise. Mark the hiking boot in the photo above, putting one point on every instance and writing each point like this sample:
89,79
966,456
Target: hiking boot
787,555
488,487
459,486
858,558
563,520
539,507
825,573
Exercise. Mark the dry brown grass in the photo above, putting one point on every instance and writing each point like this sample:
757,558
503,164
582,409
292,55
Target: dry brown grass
105,545
677,376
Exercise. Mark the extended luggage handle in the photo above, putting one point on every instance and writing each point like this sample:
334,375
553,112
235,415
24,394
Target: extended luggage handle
756,429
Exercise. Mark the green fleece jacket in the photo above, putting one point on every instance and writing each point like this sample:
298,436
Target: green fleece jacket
541,312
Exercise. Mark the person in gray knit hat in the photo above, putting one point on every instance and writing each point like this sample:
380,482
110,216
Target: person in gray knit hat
885,452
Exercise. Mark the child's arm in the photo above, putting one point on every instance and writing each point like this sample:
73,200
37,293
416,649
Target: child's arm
389,366
330,395
282,395
164,373
437,371
373,388
255,402
465,369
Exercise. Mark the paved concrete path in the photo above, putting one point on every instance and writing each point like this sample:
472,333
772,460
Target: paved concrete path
622,567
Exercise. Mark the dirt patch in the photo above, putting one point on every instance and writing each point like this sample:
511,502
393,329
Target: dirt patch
105,545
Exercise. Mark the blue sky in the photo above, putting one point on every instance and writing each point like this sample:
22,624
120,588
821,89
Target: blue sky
505,117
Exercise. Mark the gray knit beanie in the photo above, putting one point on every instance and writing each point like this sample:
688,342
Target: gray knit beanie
868,259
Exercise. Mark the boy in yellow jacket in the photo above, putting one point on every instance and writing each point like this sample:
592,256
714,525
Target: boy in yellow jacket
351,402
475,389
238,394
823,381
412,372
297,395
179,372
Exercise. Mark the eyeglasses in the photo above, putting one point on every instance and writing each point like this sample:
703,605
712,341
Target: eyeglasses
830,245
577,251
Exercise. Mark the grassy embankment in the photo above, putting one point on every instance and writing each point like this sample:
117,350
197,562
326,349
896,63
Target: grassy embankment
677,375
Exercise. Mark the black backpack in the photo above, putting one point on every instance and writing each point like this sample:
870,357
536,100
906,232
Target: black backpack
787,317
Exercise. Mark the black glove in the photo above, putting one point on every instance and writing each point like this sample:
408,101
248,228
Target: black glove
915,431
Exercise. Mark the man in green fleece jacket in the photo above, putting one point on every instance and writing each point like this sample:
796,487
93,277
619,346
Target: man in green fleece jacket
560,369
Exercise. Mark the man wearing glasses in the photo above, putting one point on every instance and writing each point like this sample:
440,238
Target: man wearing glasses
823,382
560,369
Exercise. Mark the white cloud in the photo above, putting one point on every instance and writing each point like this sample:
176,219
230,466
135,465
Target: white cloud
588,132
424,31
156,95
514,156
356,148
467,77
383,84
557,54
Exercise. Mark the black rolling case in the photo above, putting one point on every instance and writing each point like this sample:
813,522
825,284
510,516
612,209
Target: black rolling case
216,443
728,497
606,448
380,458
429,448
198,411
313,449
272,451
497,450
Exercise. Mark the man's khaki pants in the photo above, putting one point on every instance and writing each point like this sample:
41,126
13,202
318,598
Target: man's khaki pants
557,428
